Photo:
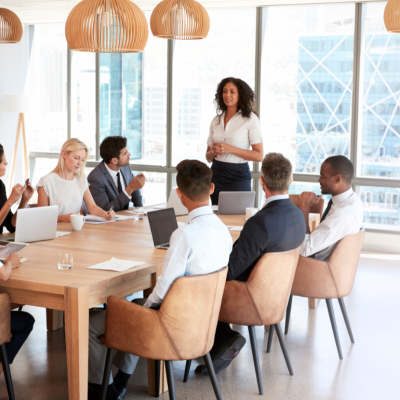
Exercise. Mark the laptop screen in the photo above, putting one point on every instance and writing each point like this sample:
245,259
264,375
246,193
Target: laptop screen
162,224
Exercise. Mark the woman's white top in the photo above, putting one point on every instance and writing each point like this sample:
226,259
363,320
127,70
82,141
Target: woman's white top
67,195
239,132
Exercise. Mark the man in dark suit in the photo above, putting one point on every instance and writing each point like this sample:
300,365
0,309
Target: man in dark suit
279,226
112,183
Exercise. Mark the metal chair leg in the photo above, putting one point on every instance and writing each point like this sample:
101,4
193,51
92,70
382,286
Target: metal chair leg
211,372
187,370
288,310
283,346
346,319
334,328
106,375
157,377
170,378
7,373
270,336
252,333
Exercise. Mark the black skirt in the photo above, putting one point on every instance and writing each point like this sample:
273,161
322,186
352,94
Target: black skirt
229,177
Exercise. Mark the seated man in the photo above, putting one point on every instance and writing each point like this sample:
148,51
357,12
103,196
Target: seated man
200,247
278,227
112,183
21,322
343,215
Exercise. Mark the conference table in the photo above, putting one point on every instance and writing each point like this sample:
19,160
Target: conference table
39,282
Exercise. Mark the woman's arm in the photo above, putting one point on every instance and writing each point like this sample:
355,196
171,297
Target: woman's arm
95,210
15,195
256,154
11,262
43,201
26,196
210,155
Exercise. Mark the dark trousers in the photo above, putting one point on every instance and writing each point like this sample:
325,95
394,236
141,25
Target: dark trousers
21,327
223,336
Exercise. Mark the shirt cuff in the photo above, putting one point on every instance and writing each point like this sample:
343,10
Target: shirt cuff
303,250
127,195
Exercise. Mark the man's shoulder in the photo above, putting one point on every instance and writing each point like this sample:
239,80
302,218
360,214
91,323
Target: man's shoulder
98,172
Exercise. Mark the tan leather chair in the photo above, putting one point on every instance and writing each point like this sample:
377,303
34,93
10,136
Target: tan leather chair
182,329
5,337
262,299
331,279
315,209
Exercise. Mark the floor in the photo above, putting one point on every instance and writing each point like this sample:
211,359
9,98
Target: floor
370,368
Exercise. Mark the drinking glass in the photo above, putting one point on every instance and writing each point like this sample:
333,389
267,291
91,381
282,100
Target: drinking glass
65,260
138,213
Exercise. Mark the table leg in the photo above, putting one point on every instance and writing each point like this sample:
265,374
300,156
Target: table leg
55,319
76,299
312,303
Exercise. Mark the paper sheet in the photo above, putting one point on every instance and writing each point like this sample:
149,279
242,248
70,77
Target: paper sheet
116,265
59,233
123,217
235,228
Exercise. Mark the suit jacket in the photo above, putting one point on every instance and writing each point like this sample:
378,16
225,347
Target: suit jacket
105,192
7,221
278,227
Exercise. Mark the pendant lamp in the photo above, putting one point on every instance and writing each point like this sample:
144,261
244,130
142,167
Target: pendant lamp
391,16
107,26
10,27
180,19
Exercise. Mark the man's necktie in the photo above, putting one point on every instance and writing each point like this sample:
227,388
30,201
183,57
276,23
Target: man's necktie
119,183
324,215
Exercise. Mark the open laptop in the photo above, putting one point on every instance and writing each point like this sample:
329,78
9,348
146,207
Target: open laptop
162,225
36,224
232,203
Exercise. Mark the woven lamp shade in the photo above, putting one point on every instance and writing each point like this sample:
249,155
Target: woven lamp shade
107,26
10,27
391,16
180,19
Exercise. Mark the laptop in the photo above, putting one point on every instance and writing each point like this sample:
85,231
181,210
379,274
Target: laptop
162,225
36,224
233,203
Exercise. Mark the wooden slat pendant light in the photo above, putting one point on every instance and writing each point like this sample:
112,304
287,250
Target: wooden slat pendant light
180,19
10,27
391,16
107,26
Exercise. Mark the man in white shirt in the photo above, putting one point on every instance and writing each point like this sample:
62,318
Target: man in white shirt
343,215
200,247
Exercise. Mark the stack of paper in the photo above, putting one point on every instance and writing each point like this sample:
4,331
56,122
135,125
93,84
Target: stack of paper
235,228
94,219
116,265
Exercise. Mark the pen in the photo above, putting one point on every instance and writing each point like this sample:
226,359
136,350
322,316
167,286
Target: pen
111,208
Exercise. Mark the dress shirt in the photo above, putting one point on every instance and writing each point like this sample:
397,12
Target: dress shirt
200,247
344,218
276,197
115,179
239,132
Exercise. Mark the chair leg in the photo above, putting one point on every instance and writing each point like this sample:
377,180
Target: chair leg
334,328
187,370
252,333
346,319
170,379
107,371
20,308
157,377
283,347
270,336
7,373
211,372
288,310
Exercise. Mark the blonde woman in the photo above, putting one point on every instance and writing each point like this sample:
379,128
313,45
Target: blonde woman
66,186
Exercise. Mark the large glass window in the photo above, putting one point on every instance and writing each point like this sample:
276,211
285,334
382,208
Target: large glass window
379,123
307,71
228,50
48,85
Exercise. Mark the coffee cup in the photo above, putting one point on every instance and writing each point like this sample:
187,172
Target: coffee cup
77,222
250,212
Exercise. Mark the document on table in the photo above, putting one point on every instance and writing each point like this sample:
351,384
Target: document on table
117,265
94,219
59,233
235,228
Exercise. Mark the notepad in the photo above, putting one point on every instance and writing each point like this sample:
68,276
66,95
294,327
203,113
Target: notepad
117,265
235,228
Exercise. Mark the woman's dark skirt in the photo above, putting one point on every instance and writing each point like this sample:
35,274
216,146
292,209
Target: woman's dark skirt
228,177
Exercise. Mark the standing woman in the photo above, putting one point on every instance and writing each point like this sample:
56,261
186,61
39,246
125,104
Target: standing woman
235,138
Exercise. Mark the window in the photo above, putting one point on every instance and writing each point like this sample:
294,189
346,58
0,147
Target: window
307,66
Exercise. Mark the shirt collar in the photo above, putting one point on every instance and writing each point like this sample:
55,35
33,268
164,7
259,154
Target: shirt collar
111,172
198,212
342,196
273,198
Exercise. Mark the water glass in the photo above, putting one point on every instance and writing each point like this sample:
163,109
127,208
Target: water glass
138,213
65,260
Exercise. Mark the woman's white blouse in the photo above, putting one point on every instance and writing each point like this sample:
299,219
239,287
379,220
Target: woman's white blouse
240,132
67,195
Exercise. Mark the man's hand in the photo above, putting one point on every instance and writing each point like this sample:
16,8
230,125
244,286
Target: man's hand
308,199
136,183
27,195
16,193
14,260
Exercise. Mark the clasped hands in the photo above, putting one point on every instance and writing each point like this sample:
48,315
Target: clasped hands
18,190
221,148
308,199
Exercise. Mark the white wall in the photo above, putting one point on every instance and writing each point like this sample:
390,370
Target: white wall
382,242
14,62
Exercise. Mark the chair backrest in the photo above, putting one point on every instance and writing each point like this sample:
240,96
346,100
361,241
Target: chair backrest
189,312
5,318
270,283
315,209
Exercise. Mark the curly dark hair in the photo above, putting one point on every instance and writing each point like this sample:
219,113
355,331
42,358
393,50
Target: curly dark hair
247,98
1,153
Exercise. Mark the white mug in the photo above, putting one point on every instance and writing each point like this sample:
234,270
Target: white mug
77,222
250,212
